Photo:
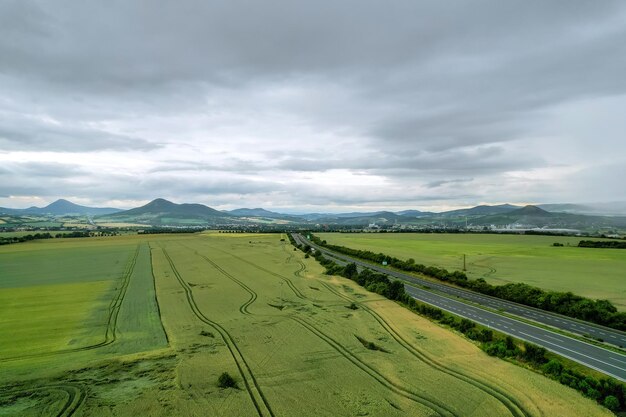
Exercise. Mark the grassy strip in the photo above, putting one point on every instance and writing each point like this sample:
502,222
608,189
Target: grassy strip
606,391
596,311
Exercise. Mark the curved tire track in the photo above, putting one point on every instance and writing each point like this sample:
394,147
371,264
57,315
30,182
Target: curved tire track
293,288
290,257
301,270
75,397
508,401
253,295
262,406
439,408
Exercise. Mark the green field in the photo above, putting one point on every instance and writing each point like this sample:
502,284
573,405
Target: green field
143,325
7,221
500,259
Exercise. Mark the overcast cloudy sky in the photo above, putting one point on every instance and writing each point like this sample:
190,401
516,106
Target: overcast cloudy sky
311,106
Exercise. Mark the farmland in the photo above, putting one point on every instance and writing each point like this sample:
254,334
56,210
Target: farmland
145,325
500,259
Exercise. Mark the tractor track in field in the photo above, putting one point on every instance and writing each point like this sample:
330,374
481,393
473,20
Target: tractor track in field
75,397
293,288
290,256
301,270
482,264
110,335
156,299
116,303
439,408
253,295
508,401
262,406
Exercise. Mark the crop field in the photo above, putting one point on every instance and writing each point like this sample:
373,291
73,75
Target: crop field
500,259
32,232
144,325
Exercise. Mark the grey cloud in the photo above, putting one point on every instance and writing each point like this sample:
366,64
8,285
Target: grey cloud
439,183
479,160
424,93
225,165
21,133
41,169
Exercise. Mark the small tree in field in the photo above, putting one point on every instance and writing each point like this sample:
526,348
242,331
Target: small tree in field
226,381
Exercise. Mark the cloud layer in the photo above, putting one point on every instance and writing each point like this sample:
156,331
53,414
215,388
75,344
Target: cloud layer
312,106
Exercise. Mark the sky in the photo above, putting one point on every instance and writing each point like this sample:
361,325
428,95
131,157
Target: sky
312,106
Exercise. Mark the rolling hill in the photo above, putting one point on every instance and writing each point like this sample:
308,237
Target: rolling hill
533,216
61,207
161,212
482,210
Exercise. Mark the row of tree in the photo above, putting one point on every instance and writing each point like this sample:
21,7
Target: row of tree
163,230
606,391
566,303
25,238
609,244
37,236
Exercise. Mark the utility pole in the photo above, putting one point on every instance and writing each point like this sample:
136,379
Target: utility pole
464,269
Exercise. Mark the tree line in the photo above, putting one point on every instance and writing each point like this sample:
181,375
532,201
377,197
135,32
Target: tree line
37,236
25,238
596,311
605,391
162,230
610,244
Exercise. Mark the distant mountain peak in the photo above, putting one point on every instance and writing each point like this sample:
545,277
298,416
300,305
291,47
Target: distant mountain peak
159,202
531,210
62,207
161,208
62,203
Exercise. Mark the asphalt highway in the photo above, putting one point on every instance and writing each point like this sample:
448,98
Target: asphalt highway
603,360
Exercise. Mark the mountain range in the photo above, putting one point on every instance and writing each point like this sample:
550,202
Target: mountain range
61,207
161,212
164,212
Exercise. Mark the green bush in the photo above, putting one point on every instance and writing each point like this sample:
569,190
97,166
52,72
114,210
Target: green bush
226,381
611,403
553,367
